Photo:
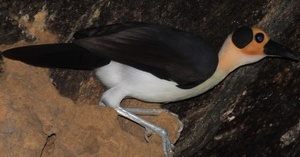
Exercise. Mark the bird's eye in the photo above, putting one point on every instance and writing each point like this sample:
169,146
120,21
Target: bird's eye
259,37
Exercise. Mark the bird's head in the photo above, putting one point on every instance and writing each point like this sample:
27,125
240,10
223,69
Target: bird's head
247,45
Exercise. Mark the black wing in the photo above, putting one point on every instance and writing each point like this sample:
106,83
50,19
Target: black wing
166,53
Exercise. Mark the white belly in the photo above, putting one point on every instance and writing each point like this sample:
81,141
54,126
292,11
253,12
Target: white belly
145,86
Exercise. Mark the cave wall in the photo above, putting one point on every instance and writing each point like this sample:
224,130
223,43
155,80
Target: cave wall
254,112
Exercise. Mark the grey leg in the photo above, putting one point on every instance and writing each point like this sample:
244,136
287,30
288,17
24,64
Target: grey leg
145,111
167,145
114,96
152,112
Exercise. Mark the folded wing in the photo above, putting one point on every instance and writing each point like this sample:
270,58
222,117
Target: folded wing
167,53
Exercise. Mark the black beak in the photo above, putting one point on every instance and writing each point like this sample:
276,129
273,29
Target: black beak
274,49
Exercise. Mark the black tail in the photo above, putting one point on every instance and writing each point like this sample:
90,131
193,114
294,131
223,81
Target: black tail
67,56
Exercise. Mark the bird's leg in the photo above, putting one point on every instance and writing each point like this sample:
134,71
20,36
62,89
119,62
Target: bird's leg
153,112
145,111
114,96
167,145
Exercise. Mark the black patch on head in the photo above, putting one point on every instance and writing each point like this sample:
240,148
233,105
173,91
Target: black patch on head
242,37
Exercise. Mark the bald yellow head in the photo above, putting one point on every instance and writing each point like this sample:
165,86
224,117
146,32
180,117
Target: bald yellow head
248,45
256,45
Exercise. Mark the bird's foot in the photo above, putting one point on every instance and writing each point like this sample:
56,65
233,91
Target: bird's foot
154,112
167,145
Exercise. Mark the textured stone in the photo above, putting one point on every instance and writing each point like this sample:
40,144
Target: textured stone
36,121
254,112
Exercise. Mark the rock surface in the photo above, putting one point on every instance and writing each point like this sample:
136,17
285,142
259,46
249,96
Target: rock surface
254,112
35,120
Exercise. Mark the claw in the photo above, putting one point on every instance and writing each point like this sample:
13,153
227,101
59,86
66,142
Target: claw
180,128
148,133
179,121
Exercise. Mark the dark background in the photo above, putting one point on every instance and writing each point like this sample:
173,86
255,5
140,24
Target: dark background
254,112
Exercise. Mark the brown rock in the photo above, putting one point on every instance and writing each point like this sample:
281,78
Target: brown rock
254,112
36,121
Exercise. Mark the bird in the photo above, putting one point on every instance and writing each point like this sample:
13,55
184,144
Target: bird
152,63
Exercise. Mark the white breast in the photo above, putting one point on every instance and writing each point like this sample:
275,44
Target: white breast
147,87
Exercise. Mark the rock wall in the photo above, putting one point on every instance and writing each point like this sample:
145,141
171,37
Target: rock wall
254,112
35,120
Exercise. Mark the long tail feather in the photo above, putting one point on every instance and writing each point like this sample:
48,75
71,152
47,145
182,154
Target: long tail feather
67,56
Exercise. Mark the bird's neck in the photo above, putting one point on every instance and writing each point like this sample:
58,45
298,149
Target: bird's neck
229,59
227,63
